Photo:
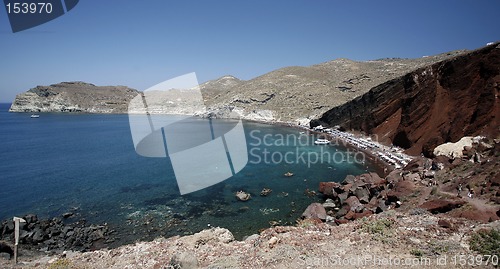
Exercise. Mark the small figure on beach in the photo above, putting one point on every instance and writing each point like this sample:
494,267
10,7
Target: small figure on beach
470,194
459,189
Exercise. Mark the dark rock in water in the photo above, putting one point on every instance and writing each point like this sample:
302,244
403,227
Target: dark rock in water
8,227
30,218
67,215
315,211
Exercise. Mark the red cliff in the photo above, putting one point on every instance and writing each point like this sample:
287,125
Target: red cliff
433,105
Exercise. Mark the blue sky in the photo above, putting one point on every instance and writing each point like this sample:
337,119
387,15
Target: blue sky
141,43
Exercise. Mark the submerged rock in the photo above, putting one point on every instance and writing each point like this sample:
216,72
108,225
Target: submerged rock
265,192
243,196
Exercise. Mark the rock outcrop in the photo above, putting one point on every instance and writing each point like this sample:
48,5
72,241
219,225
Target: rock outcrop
433,105
56,235
357,197
74,97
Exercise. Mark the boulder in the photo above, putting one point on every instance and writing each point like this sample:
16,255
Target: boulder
402,189
328,188
343,196
445,224
441,160
329,204
468,152
363,214
350,215
342,211
376,180
31,218
347,187
67,215
412,177
39,235
372,205
441,205
349,179
415,165
363,195
184,260
454,150
354,204
429,174
315,211
394,176
382,206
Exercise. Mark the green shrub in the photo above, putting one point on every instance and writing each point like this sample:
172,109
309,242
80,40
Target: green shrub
486,242
380,229
60,264
417,253
380,226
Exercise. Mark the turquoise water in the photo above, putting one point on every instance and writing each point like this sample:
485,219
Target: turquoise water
87,164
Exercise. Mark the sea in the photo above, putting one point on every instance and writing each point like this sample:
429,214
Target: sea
86,164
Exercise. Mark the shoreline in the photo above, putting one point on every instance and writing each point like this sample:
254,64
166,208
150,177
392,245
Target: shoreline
273,240
371,158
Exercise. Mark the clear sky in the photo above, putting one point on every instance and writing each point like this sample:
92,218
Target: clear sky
141,43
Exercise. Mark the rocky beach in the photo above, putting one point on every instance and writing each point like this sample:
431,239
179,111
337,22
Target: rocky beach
431,203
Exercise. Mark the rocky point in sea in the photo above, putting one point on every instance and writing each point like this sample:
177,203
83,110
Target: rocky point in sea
56,235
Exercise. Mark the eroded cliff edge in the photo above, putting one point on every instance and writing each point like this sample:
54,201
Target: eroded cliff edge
433,105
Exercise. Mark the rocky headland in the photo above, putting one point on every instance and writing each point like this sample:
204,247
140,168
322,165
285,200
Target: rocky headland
74,97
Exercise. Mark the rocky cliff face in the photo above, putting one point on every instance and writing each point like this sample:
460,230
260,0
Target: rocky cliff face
296,94
291,94
430,106
74,97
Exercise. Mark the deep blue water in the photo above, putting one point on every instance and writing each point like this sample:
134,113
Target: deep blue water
87,164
